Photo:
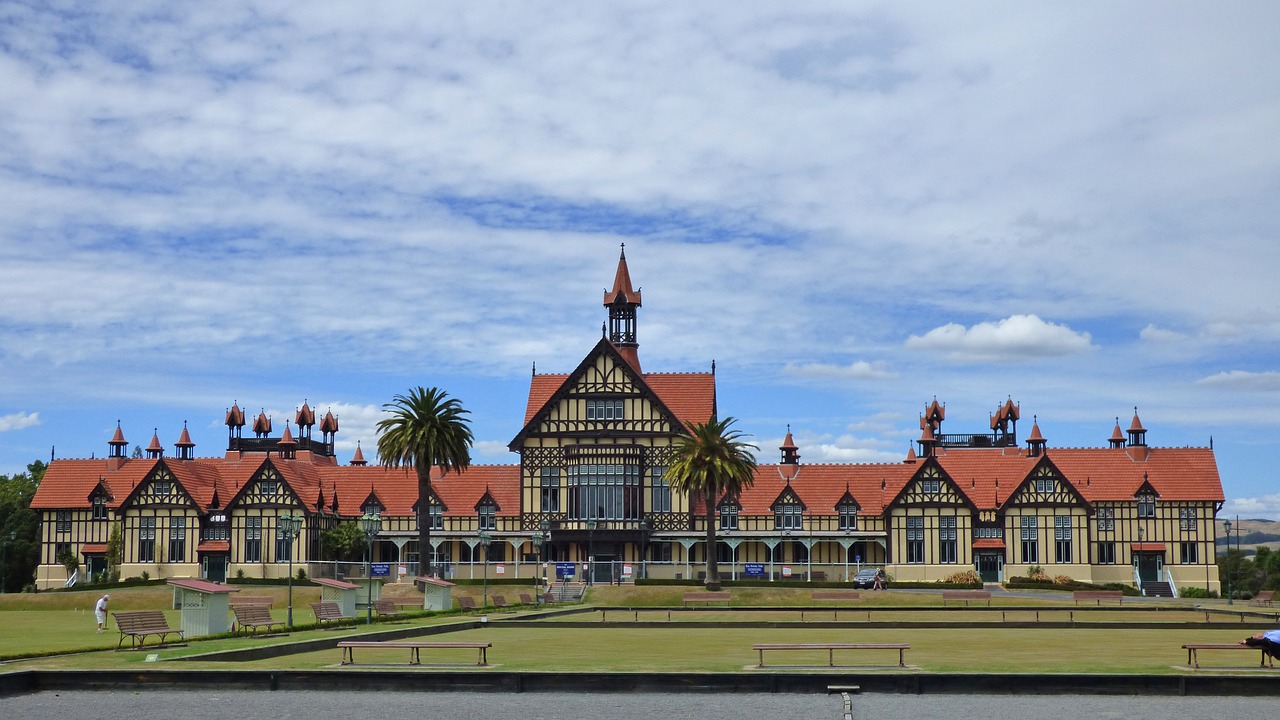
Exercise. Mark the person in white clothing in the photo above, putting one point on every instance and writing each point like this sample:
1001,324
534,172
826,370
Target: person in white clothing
100,612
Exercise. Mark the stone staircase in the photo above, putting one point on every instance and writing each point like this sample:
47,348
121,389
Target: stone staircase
1156,588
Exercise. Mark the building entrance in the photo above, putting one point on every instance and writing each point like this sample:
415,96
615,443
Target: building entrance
989,566
215,568
1149,566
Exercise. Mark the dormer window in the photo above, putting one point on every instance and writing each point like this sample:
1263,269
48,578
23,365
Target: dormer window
728,516
605,410
162,487
1146,506
848,516
788,516
268,487
1045,485
488,516
99,508
931,487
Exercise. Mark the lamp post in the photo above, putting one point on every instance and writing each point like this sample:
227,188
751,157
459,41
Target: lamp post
538,540
591,551
290,526
1226,524
545,526
644,540
485,540
371,525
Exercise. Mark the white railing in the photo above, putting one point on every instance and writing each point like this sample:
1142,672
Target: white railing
1168,576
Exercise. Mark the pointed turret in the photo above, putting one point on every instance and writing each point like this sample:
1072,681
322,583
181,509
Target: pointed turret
262,425
358,458
155,449
185,446
1117,436
304,419
288,446
1137,433
622,301
1036,441
790,453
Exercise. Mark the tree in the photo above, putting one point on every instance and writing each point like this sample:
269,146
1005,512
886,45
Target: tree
344,542
712,462
19,527
427,428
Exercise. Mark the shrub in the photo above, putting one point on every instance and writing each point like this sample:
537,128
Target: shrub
145,576
1195,592
1062,580
966,577
302,575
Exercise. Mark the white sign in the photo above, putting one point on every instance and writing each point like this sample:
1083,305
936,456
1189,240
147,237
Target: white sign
501,569
786,571
626,569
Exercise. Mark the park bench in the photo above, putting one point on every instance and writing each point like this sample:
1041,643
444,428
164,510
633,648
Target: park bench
965,596
243,600
1264,597
415,648
254,617
707,597
386,606
832,647
466,602
500,601
1193,659
526,599
1098,596
819,595
138,624
328,612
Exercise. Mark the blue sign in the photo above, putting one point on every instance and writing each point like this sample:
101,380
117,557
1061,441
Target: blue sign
753,569
380,570
564,570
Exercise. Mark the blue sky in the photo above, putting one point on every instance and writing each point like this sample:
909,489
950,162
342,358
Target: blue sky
851,207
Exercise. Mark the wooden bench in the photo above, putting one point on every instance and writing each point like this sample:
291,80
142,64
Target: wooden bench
466,602
415,648
707,597
1264,597
835,595
526,599
500,601
254,617
1098,596
386,606
243,600
138,624
965,596
1193,660
328,612
832,647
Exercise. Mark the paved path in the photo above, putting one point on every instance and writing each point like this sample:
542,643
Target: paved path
199,705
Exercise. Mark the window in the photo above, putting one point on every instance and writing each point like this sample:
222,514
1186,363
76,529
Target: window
1189,553
604,410
1030,540
604,492
63,522
146,539
253,539
1146,506
930,487
1187,519
660,502
1062,538
217,528
848,517
1045,485
177,539
946,539
728,516
99,508
799,552
550,489
660,552
788,516
915,540
988,531
284,548
61,549
1106,553
435,515
161,487
488,517
497,552
725,553
1106,519
268,486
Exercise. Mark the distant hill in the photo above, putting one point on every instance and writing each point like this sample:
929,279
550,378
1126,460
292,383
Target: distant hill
1250,533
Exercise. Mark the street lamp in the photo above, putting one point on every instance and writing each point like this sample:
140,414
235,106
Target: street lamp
545,526
644,539
485,541
371,525
538,540
1226,524
591,551
290,526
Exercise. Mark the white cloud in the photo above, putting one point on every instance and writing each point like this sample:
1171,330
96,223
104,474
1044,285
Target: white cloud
1018,337
1154,334
1266,507
18,421
1244,381
858,370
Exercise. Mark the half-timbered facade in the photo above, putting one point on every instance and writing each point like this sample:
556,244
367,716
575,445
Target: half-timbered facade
593,447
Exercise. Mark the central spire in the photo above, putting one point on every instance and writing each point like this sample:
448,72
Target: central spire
622,302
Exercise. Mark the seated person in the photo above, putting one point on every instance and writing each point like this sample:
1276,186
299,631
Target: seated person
1268,642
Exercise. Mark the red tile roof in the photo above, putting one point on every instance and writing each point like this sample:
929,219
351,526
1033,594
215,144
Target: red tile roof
691,396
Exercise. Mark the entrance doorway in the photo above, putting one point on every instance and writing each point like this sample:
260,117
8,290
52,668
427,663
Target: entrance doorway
989,566
96,567
215,568
1149,566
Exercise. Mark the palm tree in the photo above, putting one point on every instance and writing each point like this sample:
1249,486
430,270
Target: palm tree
427,428
712,461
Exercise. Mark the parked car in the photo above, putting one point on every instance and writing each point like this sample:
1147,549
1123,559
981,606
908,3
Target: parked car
866,577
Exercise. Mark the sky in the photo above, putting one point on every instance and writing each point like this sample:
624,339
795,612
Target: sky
852,208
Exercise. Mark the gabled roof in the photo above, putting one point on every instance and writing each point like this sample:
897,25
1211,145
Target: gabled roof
685,397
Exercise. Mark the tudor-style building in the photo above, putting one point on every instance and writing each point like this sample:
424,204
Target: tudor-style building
593,448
